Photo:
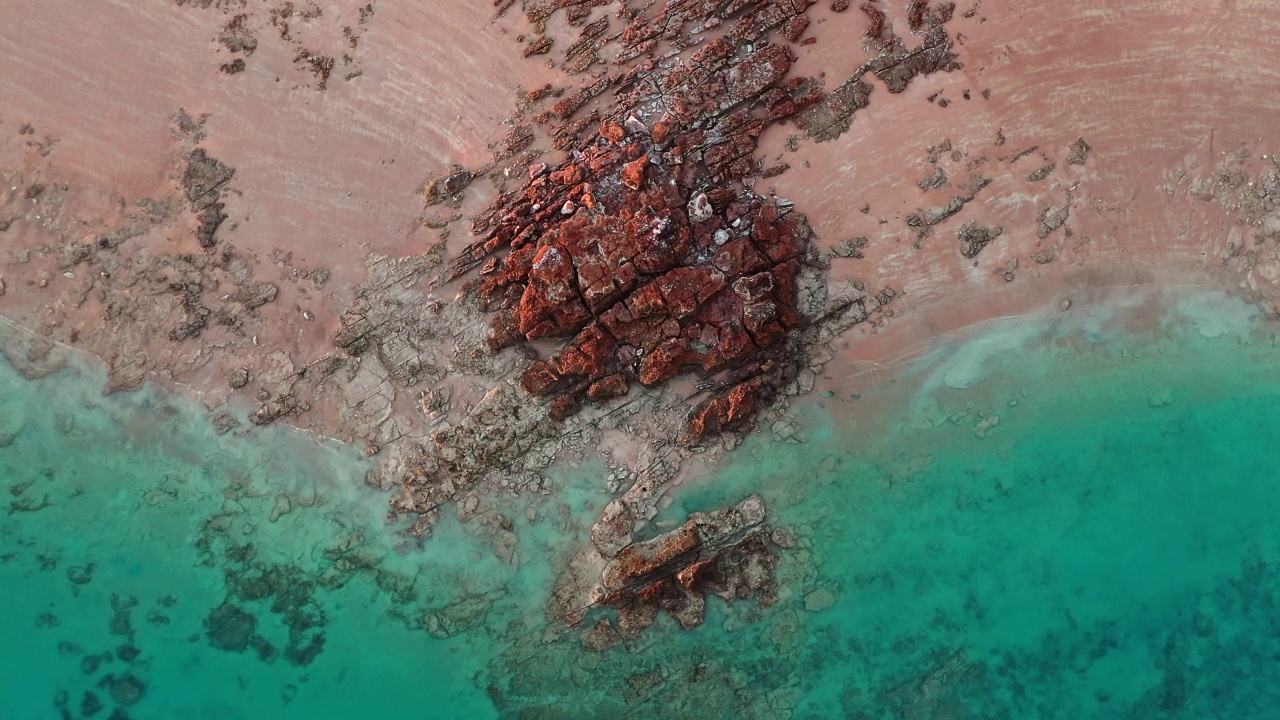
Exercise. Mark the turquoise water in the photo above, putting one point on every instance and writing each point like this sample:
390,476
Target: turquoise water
1060,515
149,566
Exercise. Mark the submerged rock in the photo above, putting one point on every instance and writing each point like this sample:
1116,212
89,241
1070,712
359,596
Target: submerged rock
127,689
600,637
90,663
460,615
230,628
283,506
819,600
80,574
90,704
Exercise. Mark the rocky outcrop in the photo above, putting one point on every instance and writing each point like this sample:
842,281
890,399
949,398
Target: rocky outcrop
203,180
972,237
646,250
645,253
643,264
727,553
1078,152
726,412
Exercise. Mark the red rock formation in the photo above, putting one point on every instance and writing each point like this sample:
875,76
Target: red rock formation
633,172
876,29
644,246
724,552
725,412
647,289
615,385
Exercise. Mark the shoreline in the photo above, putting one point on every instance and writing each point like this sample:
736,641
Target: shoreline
812,590
907,335
964,503
895,128
867,366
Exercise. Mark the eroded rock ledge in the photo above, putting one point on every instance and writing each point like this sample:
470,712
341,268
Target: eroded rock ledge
727,552
648,248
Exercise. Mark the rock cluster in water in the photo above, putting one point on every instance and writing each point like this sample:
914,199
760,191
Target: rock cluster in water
647,248
726,552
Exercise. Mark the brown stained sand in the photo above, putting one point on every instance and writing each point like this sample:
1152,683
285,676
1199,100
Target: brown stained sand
1167,95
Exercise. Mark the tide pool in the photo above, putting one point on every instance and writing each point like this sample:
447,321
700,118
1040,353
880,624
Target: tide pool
1063,515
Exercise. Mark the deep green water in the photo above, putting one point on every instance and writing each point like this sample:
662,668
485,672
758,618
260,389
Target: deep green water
1055,517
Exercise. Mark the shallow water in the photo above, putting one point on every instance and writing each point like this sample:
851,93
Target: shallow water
1058,516
148,564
